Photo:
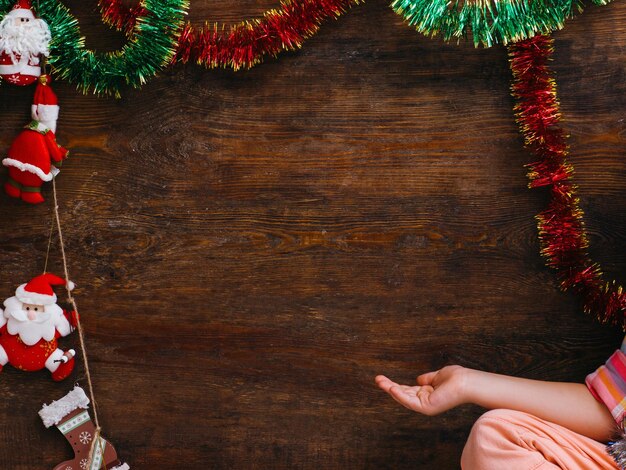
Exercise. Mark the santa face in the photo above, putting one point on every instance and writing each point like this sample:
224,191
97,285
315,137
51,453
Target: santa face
31,322
46,114
23,36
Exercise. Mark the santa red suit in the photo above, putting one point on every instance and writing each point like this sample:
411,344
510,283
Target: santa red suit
19,70
31,324
34,156
23,38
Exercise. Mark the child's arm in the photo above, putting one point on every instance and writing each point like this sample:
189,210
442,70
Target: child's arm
569,404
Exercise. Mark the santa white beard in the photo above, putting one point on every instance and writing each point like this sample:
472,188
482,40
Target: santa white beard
24,39
31,331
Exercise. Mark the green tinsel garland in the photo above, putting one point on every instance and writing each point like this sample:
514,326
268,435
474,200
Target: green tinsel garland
489,21
151,48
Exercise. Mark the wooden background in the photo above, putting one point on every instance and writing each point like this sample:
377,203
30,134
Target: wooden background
252,248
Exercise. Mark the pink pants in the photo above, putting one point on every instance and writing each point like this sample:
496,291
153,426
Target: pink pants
511,440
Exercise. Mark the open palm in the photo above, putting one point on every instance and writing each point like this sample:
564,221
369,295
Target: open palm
435,392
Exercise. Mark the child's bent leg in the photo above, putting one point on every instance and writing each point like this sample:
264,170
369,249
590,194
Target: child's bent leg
505,439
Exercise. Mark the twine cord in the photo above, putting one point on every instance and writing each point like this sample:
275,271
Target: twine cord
45,266
79,327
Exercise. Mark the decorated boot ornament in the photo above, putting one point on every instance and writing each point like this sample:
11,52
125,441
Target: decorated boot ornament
30,326
35,155
23,39
91,452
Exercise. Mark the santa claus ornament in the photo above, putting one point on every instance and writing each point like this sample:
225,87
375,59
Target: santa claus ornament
71,416
34,156
23,40
30,326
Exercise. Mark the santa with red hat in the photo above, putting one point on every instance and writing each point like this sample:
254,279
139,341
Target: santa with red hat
23,38
35,155
30,326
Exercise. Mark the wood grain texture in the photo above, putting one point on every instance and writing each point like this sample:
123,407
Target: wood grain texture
252,248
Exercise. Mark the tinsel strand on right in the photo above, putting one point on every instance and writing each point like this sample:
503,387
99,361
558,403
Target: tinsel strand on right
562,233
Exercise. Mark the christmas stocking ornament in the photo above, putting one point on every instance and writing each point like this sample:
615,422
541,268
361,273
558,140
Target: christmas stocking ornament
34,156
23,38
71,417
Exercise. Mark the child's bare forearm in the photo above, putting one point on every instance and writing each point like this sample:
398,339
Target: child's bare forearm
569,404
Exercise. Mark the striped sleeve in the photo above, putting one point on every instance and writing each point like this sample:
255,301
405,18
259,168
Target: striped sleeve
608,384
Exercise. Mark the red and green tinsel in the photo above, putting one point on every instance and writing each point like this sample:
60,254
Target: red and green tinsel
562,233
148,52
245,44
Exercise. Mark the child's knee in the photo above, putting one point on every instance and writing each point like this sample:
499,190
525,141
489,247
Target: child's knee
489,425
492,432
492,417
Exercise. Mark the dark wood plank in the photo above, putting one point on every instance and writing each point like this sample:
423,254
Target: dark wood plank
252,249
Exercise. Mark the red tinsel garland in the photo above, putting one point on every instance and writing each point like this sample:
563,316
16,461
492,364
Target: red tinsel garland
245,44
562,234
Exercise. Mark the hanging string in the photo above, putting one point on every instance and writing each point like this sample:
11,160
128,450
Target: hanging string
81,335
44,67
45,266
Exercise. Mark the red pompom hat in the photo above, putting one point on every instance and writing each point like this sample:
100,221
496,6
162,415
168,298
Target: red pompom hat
45,107
39,290
22,9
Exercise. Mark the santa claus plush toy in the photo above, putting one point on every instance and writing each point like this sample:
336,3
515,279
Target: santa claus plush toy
23,38
35,155
30,326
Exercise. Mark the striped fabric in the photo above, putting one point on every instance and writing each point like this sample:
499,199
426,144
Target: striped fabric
608,384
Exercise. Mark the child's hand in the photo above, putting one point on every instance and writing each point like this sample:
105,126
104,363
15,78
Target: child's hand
435,393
